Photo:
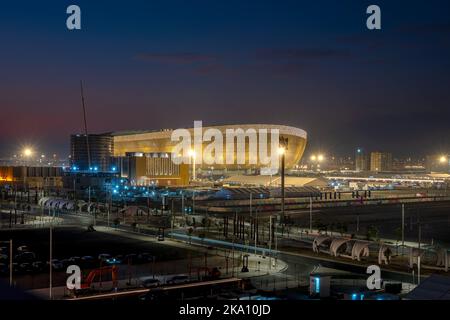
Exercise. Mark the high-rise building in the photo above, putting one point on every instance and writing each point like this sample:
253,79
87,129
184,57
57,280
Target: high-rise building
361,160
97,158
380,161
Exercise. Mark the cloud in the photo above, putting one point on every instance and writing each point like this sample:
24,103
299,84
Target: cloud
176,58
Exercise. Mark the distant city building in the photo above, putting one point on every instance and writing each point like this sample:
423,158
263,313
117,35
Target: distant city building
361,160
408,165
101,151
437,163
24,177
380,161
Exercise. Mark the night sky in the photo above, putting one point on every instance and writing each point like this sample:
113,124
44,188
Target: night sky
163,64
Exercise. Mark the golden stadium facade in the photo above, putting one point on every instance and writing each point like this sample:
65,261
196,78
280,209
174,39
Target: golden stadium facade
160,142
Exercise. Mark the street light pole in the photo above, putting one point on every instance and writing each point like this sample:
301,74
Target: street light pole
283,145
255,227
10,262
310,214
50,260
270,242
193,202
403,227
183,212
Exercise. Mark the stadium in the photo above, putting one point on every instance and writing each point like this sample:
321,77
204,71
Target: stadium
150,142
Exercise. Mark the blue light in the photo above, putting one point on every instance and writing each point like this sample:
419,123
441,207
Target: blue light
90,168
354,296
317,282
114,168
95,168
74,168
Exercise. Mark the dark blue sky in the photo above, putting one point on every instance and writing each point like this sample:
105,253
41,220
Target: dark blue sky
158,64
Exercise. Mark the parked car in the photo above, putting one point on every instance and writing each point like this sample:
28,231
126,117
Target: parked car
22,249
104,256
113,260
178,279
25,257
75,260
56,265
120,257
38,266
66,262
145,257
87,261
26,267
150,283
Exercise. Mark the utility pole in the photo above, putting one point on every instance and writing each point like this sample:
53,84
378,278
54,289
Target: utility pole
193,202
50,260
283,148
310,214
403,227
251,195
110,205
172,219
255,227
276,248
418,269
183,213
10,262
270,242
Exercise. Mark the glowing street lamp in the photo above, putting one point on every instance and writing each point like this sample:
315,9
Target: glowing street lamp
317,159
443,159
27,152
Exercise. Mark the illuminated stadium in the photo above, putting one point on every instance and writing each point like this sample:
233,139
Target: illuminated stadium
160,142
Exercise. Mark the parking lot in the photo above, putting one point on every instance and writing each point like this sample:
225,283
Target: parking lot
89,250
